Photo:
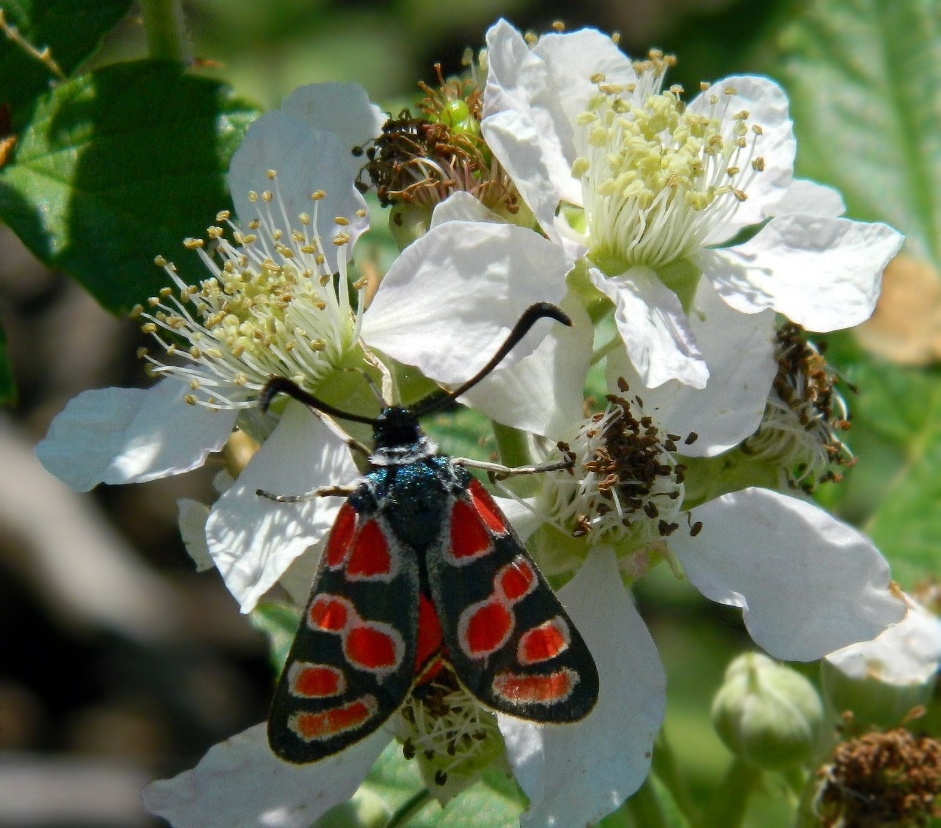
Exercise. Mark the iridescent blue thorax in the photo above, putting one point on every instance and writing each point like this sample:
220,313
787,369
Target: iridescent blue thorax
408,482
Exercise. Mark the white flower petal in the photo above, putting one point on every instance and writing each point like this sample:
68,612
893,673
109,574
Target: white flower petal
572,59
822,273
191,518
339,108
544,392
907,653
767,106
810,198
739,350
299,577
461,206
521,514
450,299
576,774
654,328
253,539
808,584
131,435
240,783
524,127
305,160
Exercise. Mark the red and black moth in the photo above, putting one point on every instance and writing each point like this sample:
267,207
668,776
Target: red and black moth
421,569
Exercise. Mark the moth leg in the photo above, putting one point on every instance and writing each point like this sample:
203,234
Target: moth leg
322,491
497,471
351,442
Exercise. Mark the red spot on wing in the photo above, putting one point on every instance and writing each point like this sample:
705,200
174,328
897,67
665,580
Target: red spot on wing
430,637
469,538
332,722
543,642
370,648
341,537
516,579
328,613
485,628
315,681
549,688
370,557
488,510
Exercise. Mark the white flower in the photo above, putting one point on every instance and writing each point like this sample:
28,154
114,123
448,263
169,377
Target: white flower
270,306
805,581
662,189
573,774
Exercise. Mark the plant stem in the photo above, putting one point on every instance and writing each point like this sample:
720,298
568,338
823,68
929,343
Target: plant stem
514,449
409,808
163,24
667,771
512,446
644,807
728,806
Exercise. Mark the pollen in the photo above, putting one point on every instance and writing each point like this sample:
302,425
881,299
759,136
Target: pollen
270,306
624,484
656,176
447,730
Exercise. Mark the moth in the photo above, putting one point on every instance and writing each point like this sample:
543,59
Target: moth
421,570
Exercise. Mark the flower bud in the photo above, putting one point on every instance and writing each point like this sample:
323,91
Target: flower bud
882,680
767,714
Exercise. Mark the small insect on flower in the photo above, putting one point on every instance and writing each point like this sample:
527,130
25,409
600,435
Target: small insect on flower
422,571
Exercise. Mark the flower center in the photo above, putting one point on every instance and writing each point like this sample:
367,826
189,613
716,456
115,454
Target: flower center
270,307
447,730
656,176
805,413
422,159
625,485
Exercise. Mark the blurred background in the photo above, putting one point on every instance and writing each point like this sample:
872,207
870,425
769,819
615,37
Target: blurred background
118,662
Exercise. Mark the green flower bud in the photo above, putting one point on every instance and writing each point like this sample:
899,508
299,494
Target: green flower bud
882,680
767,714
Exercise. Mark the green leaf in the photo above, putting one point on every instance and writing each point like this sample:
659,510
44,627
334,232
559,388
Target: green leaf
70,29
864,78
894,489
906,525
865,83
7,386
119,166
279,623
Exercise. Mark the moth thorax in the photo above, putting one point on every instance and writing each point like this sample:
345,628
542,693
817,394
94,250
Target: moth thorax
398,439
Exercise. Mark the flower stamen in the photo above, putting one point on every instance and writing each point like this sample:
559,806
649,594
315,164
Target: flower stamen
804,415
270,306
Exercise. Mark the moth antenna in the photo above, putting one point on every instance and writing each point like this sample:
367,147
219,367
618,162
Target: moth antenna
282,385
532,314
